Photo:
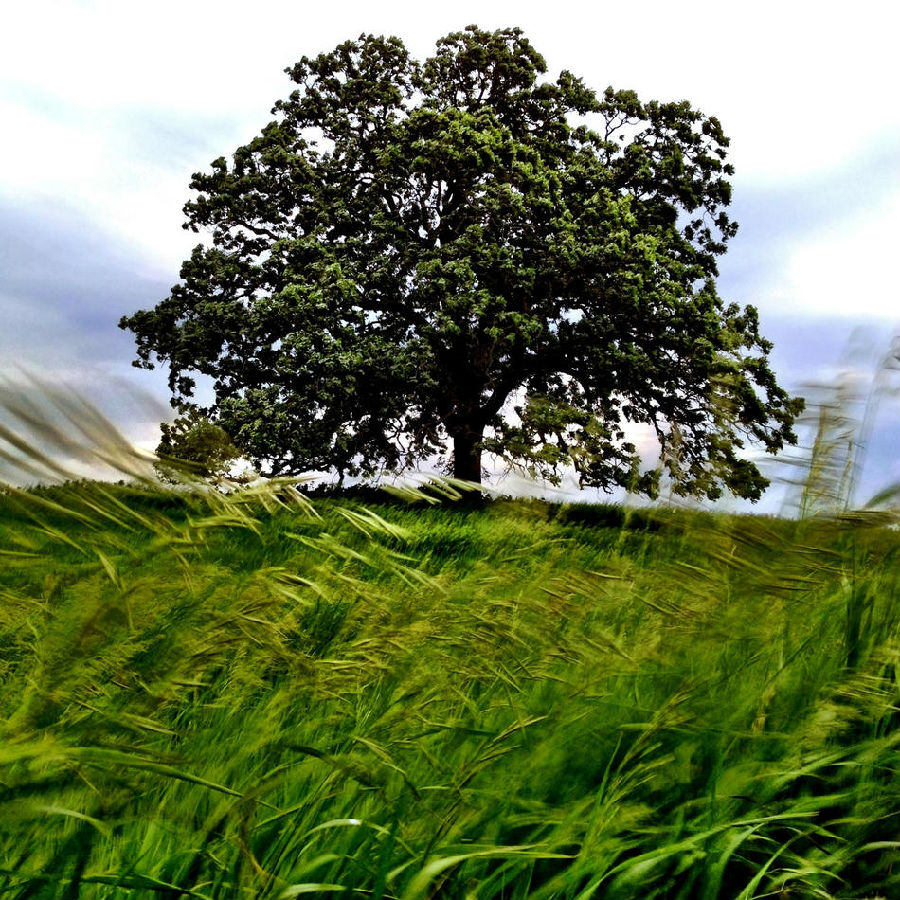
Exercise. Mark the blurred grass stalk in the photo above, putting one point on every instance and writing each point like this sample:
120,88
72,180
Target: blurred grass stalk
842,417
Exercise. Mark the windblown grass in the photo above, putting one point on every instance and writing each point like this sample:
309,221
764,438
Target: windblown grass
259,696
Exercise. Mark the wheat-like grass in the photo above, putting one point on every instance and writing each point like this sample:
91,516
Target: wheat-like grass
251,694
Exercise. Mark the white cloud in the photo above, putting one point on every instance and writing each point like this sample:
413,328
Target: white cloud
799,85
848,270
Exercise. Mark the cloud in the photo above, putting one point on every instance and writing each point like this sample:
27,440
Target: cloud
64,284
850,269
822,245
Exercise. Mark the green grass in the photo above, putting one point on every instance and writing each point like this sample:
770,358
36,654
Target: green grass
257,696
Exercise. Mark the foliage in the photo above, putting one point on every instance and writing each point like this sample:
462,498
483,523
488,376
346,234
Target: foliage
410,249
194,444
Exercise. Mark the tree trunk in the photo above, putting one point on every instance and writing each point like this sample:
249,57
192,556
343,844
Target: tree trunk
467,457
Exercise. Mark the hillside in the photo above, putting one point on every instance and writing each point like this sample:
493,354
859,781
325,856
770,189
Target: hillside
264,696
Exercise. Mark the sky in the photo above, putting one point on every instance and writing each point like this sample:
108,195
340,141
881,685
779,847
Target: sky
108,107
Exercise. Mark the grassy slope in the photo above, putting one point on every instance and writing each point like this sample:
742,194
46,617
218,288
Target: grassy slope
257,699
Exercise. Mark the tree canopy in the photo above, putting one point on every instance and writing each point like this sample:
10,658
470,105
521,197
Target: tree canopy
192,444
461,254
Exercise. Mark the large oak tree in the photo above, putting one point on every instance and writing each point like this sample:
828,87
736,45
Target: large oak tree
460,252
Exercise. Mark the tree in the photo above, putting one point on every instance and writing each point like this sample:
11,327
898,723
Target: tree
410,249
194,444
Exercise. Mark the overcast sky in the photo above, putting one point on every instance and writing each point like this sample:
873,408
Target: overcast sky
108,107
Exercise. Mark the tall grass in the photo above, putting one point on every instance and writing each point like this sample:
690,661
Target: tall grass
255,695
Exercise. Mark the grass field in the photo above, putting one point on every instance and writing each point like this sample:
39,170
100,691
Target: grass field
259,696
